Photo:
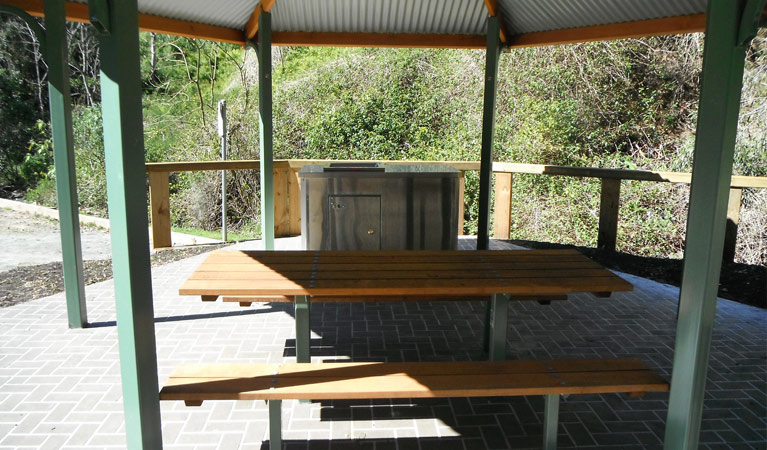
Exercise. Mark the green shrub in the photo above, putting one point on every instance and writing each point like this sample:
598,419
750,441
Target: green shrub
44,193
89,160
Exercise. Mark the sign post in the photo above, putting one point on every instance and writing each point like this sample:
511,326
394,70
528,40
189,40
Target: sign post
222,134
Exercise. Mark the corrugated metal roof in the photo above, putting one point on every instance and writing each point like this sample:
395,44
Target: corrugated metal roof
466,17
224,13
380,16
525,16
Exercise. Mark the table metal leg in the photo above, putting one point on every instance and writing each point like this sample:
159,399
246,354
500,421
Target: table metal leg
275,424
303,331
499,320
488,319
550,421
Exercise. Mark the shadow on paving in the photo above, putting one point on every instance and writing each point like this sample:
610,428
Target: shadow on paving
742,283
274,307
443,443
582,327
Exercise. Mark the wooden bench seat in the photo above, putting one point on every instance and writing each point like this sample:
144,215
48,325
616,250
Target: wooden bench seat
335,381
246,301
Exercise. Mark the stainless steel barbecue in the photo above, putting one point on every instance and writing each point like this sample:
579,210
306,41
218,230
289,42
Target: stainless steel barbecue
353,206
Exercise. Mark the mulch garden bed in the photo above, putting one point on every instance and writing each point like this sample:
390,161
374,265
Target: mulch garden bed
30,282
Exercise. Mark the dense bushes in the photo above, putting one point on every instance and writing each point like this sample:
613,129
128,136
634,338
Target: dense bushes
625,104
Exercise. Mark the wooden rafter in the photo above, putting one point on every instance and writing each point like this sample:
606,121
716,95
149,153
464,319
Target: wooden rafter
78,12
494,11
390,40
251,28
640,28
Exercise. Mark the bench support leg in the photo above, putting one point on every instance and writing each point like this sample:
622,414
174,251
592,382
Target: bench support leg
498,324
275,424
303,331
550,421
488,319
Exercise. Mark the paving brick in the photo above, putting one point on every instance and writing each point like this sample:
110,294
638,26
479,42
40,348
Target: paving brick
53,377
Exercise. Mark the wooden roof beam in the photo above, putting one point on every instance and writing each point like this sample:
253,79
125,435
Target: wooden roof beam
78,12
251,28
640,28
495,11
383,40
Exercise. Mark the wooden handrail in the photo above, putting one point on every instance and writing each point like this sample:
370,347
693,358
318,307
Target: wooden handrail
254,164
287,193
620,174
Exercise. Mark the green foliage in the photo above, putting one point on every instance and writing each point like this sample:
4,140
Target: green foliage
231,236
89,159
44,193
625,104
18,128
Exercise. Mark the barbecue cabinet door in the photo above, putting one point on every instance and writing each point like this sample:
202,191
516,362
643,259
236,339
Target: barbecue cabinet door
355,222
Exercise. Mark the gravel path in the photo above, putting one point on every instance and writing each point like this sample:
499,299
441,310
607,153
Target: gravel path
30,267
27,240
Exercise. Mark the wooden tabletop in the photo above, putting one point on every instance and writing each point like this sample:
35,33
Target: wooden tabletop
451,272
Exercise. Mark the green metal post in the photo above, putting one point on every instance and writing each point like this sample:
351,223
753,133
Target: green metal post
264,51
275,424
721,81
126,190
550,421
499,323
492,56
303,329
64,161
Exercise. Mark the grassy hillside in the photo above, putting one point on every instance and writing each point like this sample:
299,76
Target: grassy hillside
627,104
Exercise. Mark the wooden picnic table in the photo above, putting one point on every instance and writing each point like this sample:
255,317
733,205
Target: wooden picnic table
409,275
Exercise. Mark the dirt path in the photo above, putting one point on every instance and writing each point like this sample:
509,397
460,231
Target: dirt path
27,240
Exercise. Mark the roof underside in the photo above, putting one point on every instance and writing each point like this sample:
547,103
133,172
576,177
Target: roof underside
422,16
325,22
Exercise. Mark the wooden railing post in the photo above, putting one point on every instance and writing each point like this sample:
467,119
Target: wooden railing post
461,201
502,209
281,210
294,202
733,219
159,204
608,213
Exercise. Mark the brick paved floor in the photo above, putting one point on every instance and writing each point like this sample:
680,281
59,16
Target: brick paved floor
60,388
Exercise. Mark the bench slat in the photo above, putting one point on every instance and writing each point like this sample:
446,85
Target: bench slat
388,275
409,380
516,286
238,256
247,300
253,266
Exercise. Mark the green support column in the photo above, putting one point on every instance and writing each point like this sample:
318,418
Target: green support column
722,77
117,22
264,51
492,56
59,101
64,161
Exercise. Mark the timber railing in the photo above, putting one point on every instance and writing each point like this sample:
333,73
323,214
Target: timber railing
287,193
